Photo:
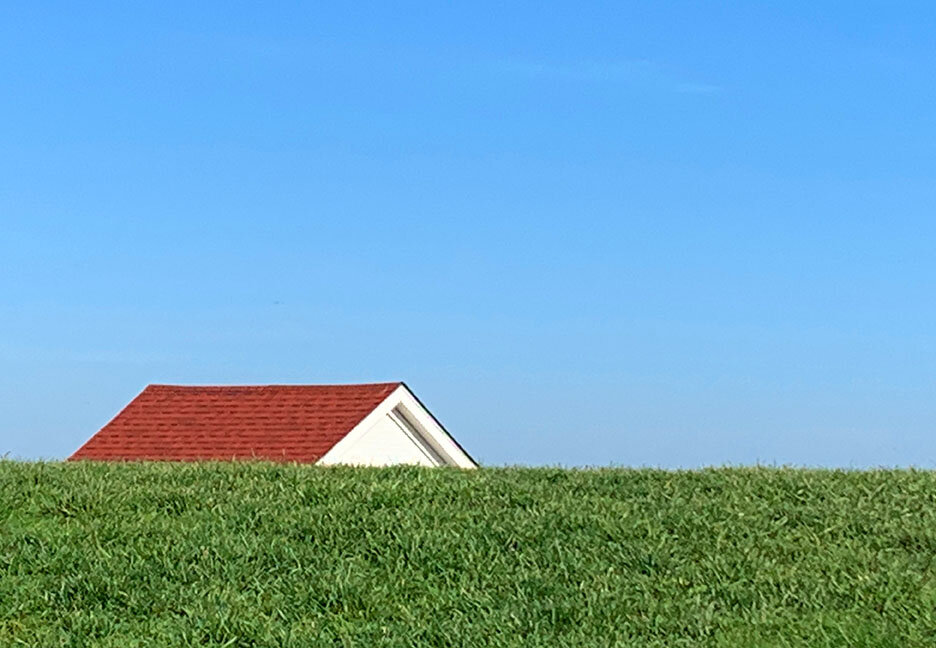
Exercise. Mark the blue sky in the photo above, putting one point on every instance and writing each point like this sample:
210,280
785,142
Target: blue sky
585,234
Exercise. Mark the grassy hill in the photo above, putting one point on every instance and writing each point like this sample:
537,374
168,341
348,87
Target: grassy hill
277,555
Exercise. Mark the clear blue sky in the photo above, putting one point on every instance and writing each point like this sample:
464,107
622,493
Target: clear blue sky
586,233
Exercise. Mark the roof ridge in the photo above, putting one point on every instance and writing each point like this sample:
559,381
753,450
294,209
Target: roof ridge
260,385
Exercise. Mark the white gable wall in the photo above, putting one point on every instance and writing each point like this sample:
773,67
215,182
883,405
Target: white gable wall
386,443
398,431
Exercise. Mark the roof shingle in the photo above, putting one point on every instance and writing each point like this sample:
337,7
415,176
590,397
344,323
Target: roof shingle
274,422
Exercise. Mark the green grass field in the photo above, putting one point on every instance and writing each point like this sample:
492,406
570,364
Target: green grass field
276,555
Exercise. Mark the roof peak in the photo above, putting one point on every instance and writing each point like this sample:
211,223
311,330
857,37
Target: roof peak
276,386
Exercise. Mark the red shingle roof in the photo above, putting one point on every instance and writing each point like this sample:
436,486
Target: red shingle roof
275,422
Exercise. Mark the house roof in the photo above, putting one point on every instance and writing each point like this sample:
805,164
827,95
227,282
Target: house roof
274,422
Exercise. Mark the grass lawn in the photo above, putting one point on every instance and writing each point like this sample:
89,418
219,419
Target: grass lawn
253,554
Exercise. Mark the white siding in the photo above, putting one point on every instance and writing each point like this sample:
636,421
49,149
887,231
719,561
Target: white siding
384,444
399,430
